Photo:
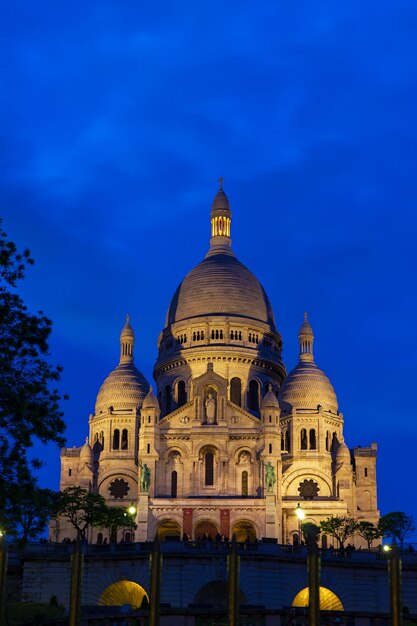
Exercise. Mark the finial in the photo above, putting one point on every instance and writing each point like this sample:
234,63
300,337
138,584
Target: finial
269,387
305,316
128,317
150,389
87,440
221,181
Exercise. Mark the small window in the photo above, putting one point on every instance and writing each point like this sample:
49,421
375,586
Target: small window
148,448
209,467
303,439
116,439
69,471
366,472
270,448
313,444
182,394
174,478
124,445
245,490
236,391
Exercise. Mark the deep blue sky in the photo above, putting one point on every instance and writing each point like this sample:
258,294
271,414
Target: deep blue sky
117,119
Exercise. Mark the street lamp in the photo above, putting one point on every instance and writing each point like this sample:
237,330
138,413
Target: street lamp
301,515
131,510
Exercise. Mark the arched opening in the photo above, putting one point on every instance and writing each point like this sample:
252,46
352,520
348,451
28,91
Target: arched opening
214,594
168,529
174,478
324,542
245,488
303,439
181,393
236,391
244,531
253,396
99,539
312,439
127,537
282,442
328,600
287,440
116,439
123,592
167,400
328,441
209,468
205,529
124,445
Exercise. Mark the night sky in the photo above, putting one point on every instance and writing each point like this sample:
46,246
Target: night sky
119,117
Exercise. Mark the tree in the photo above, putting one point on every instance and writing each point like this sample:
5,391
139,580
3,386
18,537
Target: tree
340,528
29,407
81,508
396,525
29,511
115,517
369,532
311,533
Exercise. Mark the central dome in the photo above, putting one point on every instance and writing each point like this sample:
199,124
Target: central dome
220,285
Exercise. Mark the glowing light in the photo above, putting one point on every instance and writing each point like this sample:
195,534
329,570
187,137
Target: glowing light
328,600
386,547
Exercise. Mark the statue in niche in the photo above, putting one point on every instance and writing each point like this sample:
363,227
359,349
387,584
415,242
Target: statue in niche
270,478
145,478
244,458
210,405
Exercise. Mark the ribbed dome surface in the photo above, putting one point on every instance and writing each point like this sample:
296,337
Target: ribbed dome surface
124,388
342,454
151,401
306,387
220,285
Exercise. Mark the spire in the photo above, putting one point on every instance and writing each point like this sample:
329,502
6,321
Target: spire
221,215
127,340
306,339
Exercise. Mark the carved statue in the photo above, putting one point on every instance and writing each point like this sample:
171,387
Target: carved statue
270,478
145,478
244,458
210,409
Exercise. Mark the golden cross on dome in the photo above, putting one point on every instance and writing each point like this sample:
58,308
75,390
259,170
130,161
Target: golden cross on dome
221,181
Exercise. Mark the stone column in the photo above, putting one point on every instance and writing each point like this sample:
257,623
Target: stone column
187,522
271,513
225,522
142,517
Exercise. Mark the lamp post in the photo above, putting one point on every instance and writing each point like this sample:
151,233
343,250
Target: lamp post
300,515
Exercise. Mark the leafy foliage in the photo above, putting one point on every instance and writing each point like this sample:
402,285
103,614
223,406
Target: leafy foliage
311,533
340,528
397,525
116,517
81,508
369,532
28,512
29,407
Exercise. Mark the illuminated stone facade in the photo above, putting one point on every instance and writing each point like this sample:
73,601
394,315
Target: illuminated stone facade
232,443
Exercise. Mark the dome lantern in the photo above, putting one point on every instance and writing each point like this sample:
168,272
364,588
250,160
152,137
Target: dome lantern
127,341
221,218
306,339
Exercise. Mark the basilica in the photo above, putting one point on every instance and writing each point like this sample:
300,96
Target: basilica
226,443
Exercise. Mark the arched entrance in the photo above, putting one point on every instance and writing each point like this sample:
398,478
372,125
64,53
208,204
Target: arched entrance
243,531
214,594
205,528
168,529
123,592
328,600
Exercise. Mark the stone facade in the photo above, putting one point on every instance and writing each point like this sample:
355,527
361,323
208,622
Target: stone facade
231,442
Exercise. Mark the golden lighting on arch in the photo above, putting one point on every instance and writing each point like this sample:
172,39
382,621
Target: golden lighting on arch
123,592
328,600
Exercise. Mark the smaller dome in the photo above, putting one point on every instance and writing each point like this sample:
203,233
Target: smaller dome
305,328
306,387
342,454
124,388
221,201
151,401
86,453
127,330
270,400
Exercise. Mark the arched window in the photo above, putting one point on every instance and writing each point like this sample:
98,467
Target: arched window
124,445
182,394
236,391
313,444
270,448
365,471
303,439
148,448
287,440
100,538
282,442
69,471
244,483
167,399
253,396
174,479
327,441
116,439
209,468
